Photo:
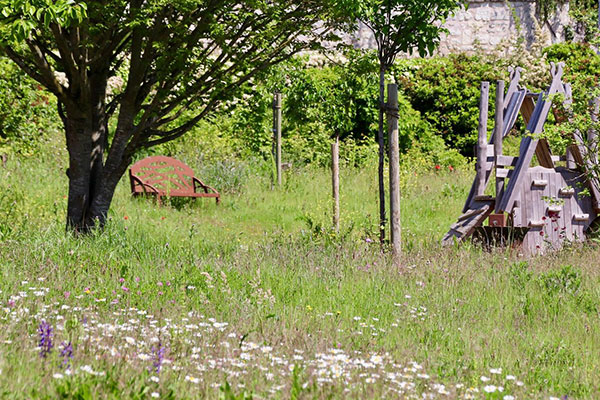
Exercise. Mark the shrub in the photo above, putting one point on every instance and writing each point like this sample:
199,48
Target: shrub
446,91
27,113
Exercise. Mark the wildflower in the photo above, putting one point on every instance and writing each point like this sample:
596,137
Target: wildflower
450,168
137,279
126,218
121,280
496,371
368,240
508,397
155,395
66,353
58,376
155,379
159,355
437,167
485,379
159,283
67,294
490,389
45,344
87,290
130,340
125,288
510,377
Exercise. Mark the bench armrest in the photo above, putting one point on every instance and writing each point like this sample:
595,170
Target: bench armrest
206,188
137,181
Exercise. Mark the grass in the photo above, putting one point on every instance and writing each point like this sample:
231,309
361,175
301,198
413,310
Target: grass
257,298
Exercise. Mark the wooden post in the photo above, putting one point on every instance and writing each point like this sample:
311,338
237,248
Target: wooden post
395,228
277,134
335,182
571,164
498,132
482,138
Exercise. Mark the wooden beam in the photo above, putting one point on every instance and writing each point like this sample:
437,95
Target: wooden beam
529,143
482,138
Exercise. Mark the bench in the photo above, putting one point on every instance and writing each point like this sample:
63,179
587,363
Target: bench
162,176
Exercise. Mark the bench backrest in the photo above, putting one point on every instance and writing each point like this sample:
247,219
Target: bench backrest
166,174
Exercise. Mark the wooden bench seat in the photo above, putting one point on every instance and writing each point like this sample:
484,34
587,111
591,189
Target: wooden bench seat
162,176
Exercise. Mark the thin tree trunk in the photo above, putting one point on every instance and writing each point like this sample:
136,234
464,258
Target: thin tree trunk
380,140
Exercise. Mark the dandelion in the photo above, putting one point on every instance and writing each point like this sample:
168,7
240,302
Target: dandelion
45,344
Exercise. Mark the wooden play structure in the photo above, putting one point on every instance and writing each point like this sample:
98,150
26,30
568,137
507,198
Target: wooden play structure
162,176
539,208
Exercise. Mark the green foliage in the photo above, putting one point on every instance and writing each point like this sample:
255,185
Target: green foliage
27,113
324,101
446,90
566,280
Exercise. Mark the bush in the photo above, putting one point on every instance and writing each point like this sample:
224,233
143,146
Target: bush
27,113
446,91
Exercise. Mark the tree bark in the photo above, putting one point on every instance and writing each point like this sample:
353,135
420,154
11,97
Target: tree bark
91,183
381,141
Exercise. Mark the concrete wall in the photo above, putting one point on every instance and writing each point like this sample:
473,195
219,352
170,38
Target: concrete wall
484,24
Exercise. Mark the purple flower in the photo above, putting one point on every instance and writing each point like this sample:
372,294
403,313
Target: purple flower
66,353
368,240
45,344
159,356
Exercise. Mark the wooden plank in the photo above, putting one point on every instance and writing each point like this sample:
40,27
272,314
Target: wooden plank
498,136
515,77
539,183
501,173
506,161
482,138
465,226
570,204
527,109
543,154
529,144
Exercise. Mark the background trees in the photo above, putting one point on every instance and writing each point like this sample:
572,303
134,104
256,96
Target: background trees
172,63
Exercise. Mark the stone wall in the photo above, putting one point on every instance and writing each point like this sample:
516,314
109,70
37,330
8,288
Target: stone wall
485,24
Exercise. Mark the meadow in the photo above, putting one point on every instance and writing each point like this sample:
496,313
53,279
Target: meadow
259,298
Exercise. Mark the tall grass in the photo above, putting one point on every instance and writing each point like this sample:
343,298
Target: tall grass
309,313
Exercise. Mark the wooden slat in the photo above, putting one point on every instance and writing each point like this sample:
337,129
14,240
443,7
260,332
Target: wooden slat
502,173
506,161
543,154
465,226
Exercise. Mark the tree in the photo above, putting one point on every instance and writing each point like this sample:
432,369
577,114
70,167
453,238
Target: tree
399,26
178,60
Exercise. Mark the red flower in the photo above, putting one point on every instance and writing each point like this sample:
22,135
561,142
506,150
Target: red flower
437,167
451,168
126,217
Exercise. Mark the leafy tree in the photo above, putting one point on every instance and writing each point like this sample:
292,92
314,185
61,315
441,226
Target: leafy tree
399,26
133,74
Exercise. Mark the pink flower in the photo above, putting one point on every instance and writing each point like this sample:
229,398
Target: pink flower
125,289
121,280
451,168
159,283
115,301
137,279
168,283
67,294
160,293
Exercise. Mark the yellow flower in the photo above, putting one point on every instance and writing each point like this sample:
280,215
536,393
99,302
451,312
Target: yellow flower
309,308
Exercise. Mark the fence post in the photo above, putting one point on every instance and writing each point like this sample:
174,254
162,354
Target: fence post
395,228
482,138
277,133
335,182
499,129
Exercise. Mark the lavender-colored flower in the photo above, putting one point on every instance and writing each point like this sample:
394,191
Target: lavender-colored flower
45,344
67,354
159,356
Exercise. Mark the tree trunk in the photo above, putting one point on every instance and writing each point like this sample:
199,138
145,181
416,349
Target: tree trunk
381,141
91,183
